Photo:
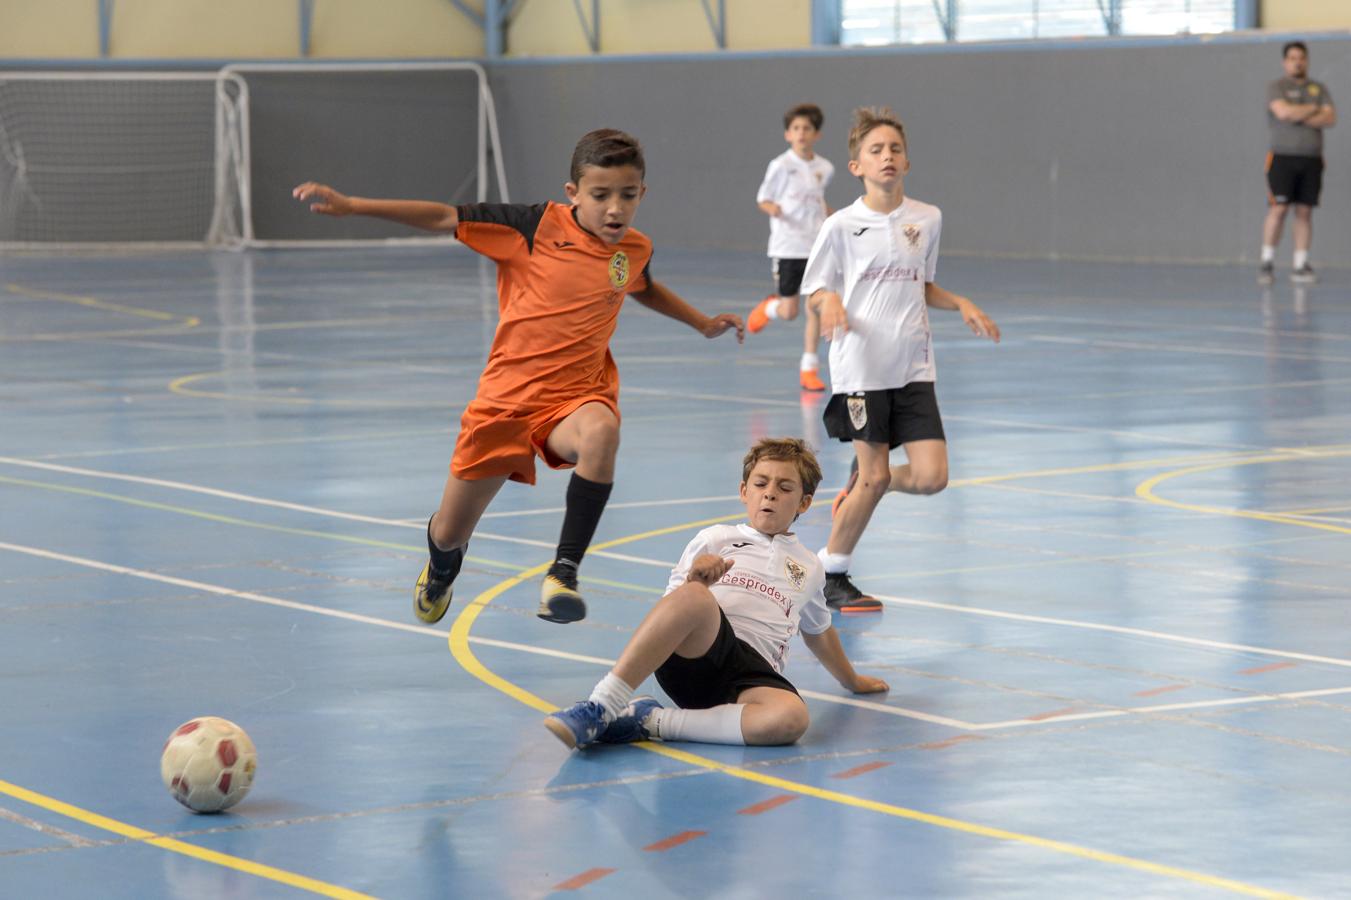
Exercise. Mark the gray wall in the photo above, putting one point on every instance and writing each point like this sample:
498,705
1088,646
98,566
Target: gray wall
1148,150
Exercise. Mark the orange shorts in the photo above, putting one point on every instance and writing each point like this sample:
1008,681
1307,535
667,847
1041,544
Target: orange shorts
495,441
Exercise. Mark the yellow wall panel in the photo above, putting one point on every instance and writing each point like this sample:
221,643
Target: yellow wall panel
48,28
406,28
204,28
552,28
1313,15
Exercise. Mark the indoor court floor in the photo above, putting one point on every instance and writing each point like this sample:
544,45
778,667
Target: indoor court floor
1117,644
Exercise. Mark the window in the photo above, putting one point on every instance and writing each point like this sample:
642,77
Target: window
880,22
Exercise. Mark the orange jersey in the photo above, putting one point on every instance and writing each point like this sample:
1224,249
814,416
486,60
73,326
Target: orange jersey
559,292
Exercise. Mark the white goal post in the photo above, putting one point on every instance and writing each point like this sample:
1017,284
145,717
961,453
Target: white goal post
412,131
108,159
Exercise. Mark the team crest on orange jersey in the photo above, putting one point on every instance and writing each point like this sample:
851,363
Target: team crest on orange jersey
795,571
619,269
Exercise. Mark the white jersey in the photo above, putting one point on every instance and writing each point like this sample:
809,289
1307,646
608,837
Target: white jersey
878,263
799,187
774,584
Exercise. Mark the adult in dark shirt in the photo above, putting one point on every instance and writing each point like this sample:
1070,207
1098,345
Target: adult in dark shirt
1298,109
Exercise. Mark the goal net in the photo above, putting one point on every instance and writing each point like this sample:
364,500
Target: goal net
412,130
209,158
108,158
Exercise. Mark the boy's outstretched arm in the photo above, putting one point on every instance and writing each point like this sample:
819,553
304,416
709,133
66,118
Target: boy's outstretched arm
425,214
979,323
826,647
659,298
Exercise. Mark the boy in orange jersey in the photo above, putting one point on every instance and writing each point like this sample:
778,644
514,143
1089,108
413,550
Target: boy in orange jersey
550,388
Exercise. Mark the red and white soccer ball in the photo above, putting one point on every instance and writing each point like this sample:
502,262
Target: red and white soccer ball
208,764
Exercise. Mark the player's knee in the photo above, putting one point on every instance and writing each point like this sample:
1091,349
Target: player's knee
873,482
693,597
931,482
1303,213
786,725
788,308
600,438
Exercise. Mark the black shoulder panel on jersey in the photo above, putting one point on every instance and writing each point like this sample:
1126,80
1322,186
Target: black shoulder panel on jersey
523,218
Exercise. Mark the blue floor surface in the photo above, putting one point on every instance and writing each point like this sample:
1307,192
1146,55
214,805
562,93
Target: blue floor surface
1119,643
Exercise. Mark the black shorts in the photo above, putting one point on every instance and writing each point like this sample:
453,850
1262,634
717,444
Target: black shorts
1294,179
789,273
893,417
719,676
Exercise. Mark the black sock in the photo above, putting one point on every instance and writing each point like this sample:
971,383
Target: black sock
444,560
586,502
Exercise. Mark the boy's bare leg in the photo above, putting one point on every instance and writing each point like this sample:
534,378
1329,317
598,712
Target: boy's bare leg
448,533
589,437
926,469
788,308
772,716
462,505
853,515
1302,230
684,622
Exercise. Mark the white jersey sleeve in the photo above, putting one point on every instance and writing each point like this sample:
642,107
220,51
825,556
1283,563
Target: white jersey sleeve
814,615
824,270
771,188
697,547
931,257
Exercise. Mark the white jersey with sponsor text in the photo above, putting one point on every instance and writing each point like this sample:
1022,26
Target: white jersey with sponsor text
799,187
774,585
878,263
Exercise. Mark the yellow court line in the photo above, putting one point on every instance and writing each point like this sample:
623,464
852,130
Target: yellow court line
1146,490
464,655
173,845
179,322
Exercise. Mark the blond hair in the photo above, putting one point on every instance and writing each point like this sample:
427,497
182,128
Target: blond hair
793,450
866,118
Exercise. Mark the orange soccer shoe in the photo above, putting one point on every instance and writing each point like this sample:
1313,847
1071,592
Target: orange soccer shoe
758,318
810,379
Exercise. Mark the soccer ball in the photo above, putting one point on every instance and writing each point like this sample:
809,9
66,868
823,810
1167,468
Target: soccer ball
208,764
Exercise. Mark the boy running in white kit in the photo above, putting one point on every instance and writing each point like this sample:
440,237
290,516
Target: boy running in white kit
718,640
793,195
871,278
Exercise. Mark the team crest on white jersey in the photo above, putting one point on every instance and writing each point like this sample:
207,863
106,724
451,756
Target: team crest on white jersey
858,411
795,572
911,233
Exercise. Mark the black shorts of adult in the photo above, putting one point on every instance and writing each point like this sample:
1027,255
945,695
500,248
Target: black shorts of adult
719,676
1295,179
893,417
789,273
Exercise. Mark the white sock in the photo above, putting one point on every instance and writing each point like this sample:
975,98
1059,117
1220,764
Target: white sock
1268,253
613,694
719,725
835,563
772,309
1301,258
809,361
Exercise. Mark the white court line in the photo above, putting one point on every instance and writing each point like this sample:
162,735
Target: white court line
1115,629
1168,707
1189,349
300,507
71,838
596,660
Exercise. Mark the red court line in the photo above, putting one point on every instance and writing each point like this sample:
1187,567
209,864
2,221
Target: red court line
1154,692
859,770
675,840
1268,668
582,880
1052,714
765,806
951,742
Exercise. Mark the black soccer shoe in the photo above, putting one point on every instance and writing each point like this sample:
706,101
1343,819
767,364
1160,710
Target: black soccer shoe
432,593
843,596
